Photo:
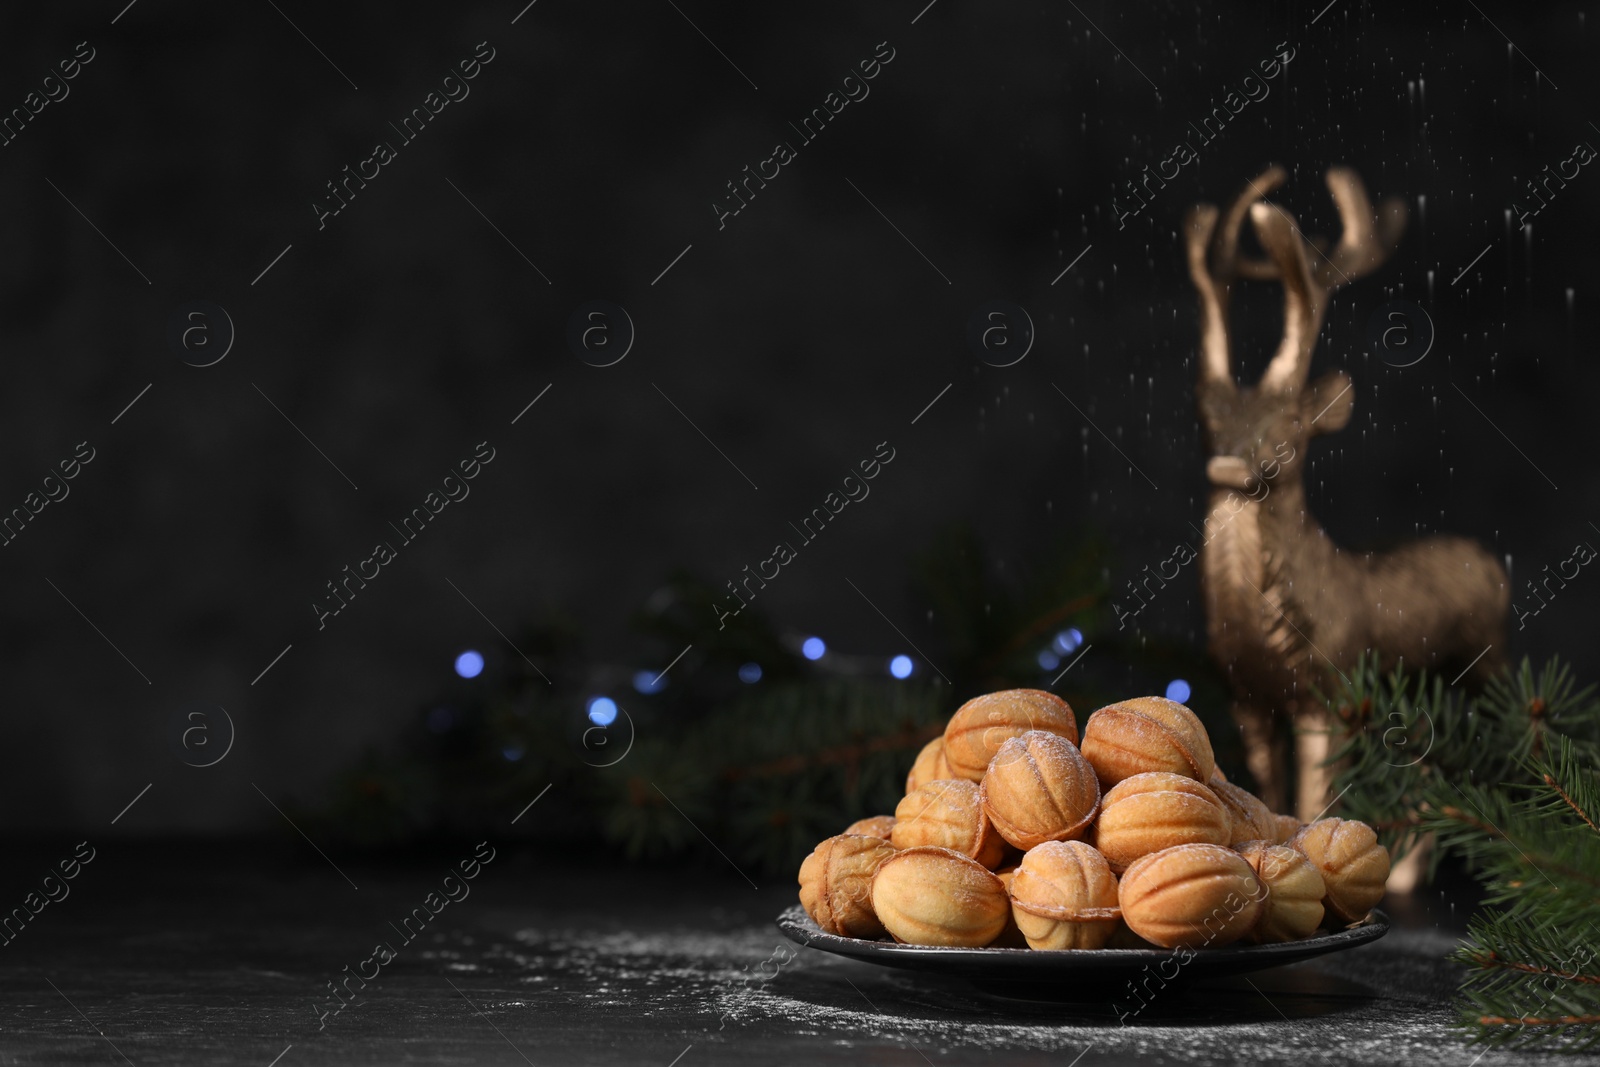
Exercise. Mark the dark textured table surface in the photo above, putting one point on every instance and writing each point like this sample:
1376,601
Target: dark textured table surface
221,954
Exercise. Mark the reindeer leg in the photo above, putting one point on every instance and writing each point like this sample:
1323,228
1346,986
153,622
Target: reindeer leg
1263,753
1313,743
1407,874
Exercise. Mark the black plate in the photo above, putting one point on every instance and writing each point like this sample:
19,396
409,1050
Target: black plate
1077,974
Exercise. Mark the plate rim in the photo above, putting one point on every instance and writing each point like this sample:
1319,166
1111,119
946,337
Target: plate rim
799,927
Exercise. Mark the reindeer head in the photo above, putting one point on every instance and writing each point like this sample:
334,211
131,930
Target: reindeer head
1256,433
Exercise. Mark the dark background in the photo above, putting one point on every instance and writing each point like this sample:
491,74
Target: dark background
797,338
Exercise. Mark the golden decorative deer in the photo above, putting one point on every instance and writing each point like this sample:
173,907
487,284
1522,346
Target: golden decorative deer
1283,602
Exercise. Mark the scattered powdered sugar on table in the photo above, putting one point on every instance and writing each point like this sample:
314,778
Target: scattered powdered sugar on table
750,984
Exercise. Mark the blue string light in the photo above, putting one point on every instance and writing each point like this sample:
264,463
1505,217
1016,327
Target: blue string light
900,666
813,648
1178,690
750,673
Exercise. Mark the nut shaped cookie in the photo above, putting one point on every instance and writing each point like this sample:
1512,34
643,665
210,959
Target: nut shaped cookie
981,725
930,766
934,896
1353,865
1249,816
948,813
1157,810
878,826
1191,896
1147,734
836,884
1065,896
1039,788
1293,908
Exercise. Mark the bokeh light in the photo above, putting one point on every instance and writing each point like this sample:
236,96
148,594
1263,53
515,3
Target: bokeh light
470,663
813,648
602,711
648,682
900,666
1178,690
750,673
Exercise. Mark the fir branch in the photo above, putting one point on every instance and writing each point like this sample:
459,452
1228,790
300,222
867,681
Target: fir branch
1551,782
1489,960
1505,780
1534,1020
1479,847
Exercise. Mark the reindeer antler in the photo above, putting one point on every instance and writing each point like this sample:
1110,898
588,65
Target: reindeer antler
1215,263
1367,241
1362,248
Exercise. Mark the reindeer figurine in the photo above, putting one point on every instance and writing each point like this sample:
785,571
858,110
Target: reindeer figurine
1283,602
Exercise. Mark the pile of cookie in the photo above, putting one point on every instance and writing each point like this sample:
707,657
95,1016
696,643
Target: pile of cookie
1015,833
